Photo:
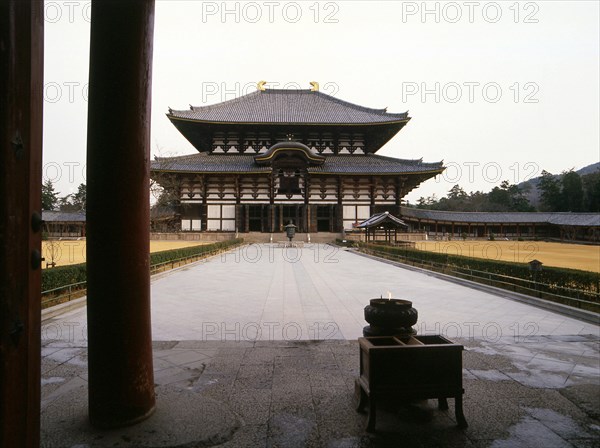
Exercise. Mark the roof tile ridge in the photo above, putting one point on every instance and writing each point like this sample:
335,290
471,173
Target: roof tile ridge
215,105
382,112
183,156
396,159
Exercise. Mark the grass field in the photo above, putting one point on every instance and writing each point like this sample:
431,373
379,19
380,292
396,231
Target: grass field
574,256
73,251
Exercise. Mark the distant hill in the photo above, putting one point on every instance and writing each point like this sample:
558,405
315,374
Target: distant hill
529,187
589,169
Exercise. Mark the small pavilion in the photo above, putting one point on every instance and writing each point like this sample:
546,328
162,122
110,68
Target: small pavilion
382,221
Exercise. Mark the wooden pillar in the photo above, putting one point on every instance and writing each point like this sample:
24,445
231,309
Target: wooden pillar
372,193
280,218
21,105
121,379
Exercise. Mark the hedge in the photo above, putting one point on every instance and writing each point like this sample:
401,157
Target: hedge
551,276
57,277
176,254
66,275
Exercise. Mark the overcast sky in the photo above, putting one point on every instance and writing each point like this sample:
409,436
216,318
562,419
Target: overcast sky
498,90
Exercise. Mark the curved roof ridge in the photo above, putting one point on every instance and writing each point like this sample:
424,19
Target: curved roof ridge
358,106
210,106
382,111
288,106
396,159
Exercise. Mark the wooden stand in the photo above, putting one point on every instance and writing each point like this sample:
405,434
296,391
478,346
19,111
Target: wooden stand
416,367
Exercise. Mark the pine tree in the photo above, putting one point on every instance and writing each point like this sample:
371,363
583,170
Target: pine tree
49,196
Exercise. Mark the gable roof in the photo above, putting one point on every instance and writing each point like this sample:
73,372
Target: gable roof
287,106
382,218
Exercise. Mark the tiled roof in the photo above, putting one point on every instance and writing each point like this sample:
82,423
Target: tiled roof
380,218
561,219
334,164
371,163
57,216
286,106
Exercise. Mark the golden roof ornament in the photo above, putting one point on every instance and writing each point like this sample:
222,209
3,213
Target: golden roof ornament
261,86
314,86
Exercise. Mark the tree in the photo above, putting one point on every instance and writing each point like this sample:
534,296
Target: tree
550,192
49,196
457,193
80,198
591,192
75,202
572,192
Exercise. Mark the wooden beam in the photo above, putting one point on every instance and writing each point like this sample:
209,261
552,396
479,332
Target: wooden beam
21,88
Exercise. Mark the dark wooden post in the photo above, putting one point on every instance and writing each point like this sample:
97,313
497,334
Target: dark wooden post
121,380
21,87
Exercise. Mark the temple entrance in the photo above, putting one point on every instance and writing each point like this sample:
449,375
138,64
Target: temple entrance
286,213
289,213
255,218
325,218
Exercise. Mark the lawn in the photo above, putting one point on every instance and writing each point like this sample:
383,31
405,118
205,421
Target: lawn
73,251
574,256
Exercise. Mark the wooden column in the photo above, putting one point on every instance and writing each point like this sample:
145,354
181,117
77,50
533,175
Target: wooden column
121,380
398,198
21,104
204,206
281,224
271,228
372,193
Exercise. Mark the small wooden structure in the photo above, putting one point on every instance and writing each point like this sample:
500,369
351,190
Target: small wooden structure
385,223
409,368
59,224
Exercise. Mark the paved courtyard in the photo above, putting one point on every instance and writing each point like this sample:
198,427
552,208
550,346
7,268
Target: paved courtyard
257,347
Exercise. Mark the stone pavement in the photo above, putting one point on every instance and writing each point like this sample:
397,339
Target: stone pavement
531,377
